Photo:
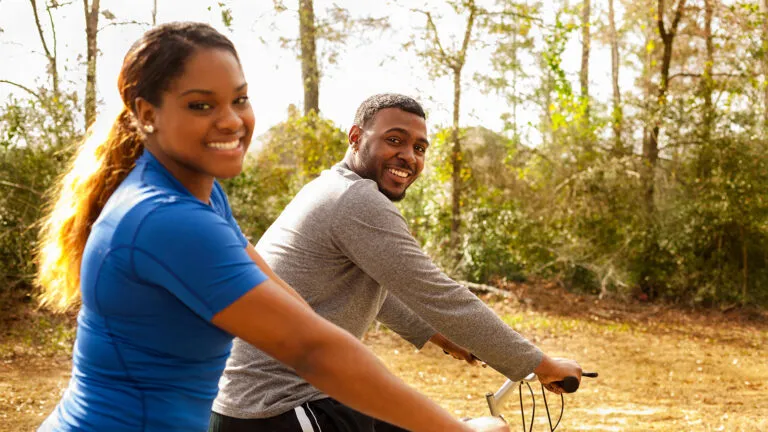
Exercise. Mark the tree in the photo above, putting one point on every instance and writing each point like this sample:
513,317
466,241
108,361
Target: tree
91,33
708,80
334,30
310,74
513,36
445,61
585,46
50,52
651,144
35,133
51,100
617,114
764,20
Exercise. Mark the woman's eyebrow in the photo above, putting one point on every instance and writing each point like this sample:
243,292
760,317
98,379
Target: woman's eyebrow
210,92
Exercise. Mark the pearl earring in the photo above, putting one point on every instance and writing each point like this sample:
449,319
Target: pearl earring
149,129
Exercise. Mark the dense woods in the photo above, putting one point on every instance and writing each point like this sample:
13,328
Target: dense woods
658,190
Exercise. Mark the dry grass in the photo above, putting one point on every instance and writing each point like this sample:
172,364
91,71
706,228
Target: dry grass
660,368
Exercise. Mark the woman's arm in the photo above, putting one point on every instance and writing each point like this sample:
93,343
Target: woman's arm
273,320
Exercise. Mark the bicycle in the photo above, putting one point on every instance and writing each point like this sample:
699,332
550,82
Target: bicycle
497,399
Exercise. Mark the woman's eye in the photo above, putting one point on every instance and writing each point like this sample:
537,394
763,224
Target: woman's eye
200,106
241,100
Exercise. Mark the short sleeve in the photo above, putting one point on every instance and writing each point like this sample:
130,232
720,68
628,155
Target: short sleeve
196,254
220,199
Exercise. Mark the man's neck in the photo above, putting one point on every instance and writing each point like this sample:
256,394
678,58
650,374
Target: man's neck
349,161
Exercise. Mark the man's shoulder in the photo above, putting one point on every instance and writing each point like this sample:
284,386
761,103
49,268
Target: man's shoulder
342,184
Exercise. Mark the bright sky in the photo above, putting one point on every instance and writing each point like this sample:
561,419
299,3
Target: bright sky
364,67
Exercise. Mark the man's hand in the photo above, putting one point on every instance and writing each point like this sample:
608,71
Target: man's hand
454,350
551,370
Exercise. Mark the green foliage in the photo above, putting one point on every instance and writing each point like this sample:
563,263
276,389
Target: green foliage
718,232
35,138
293,153
573,206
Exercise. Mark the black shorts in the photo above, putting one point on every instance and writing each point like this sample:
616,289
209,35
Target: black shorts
324,415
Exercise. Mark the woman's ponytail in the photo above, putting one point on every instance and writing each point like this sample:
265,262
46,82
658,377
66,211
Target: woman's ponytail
97,169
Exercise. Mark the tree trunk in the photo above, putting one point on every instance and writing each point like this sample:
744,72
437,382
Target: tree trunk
53,69
91,30
154,13
618,115
456,162
708,81
585,45
456,156
764,13
52,104
310,73
651,147
745,267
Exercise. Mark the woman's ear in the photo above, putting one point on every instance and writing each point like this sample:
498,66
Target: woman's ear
145,113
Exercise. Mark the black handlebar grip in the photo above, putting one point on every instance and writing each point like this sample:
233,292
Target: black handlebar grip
569,384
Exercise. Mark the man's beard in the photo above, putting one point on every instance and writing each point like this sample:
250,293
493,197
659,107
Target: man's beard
390,196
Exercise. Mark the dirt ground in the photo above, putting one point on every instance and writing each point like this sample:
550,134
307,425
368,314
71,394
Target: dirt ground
661,368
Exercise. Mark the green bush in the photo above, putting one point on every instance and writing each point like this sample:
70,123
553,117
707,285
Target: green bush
292,153
35,143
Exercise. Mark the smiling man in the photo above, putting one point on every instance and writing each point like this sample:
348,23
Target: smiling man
343,245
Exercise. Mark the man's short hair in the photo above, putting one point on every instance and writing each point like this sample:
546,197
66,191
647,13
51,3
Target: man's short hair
376,103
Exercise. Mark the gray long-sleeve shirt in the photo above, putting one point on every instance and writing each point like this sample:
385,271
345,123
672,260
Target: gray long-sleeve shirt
347,250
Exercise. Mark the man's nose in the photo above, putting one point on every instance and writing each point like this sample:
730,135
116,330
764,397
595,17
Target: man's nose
408,155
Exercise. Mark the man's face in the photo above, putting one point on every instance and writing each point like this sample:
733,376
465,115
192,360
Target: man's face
390,150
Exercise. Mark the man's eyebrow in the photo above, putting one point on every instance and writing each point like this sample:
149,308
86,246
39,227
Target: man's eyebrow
210,92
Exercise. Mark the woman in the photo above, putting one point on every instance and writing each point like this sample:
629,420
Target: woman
142,233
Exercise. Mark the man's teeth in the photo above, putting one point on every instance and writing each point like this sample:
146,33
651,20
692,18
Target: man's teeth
398,173
225,145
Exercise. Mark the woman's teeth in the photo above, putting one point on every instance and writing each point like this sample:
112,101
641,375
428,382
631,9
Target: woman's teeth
225,145
399,173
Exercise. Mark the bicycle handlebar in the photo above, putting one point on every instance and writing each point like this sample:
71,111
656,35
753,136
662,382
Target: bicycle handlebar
495,400
570,384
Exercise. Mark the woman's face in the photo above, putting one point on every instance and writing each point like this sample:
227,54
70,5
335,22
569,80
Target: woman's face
204,123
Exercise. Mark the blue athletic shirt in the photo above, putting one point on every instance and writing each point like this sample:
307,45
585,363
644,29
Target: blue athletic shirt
157,266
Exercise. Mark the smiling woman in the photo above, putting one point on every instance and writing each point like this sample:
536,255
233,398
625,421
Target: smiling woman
141,235
204,123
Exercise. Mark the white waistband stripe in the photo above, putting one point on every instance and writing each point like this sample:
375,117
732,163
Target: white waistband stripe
306,425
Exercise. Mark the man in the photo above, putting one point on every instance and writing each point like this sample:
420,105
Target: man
343,245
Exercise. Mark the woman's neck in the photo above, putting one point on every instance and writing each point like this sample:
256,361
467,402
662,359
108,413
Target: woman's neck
198,184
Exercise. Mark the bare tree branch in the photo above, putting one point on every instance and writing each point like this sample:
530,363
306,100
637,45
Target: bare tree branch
25,88
51,56
467,35
40,29
698,75
124,23
20,187
432,29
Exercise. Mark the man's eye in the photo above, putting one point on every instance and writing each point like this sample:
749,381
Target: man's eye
200,106
394,140
421,149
